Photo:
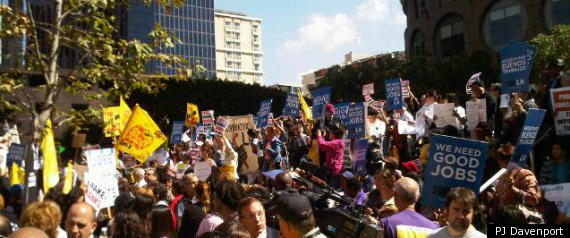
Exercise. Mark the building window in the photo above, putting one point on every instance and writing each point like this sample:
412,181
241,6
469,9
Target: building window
236,25
238,65
556,12
255,38
504,22
256,67
449,37
255,28
418,44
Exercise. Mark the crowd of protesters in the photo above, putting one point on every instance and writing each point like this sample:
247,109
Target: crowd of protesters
169,200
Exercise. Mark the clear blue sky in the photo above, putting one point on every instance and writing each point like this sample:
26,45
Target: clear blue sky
300,36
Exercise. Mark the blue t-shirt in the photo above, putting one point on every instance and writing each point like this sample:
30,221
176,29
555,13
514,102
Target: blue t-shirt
560,173
407,223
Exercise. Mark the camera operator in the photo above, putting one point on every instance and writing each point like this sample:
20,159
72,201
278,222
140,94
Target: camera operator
295,216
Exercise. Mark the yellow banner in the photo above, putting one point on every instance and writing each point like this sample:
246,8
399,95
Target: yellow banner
50,170
125,114
141,137
192,115
112,120
68,179
17,175
304,106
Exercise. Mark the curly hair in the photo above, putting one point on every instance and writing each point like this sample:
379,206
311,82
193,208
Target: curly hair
43,215
127,224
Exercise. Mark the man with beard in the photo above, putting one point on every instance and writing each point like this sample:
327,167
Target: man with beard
459,206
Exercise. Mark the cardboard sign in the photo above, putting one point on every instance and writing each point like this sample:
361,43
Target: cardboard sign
444,114
192,115
263,114
177,130
368,89
202,170
292,105
470,81
359,156
394,94
112,121
526,138
405,88
321,97
516,63
341,112
16,155
357,117
236,132
452,162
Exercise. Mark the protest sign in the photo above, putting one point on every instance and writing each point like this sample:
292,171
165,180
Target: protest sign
112,121
236,132
558,193
192,115
321,97
405,88
394,94
368,98
516,63
177,130
292,105
141,137
470,81
208,119
526,138
16,154
505,99
359,156
560,98
368,89
341,112
102,187
452,162
444,113
425,110
475,112
356,124
263,114
221,125
378,104
404,128
202,170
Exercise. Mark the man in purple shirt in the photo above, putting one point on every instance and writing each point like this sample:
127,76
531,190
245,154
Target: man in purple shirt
407,222
353,189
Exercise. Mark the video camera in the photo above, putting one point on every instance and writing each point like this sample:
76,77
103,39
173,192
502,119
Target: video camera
345,220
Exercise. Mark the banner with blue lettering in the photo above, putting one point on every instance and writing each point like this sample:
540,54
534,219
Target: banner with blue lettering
321,97
394,94
526,138
16,154
292,105
262,115
201,130
452,162
359,156
341,112
356,119
516,63
177,130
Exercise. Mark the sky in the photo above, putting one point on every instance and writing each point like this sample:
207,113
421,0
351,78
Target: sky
300,36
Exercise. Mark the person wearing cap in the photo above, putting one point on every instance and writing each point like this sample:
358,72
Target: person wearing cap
296,218
478,92
334,152
330,121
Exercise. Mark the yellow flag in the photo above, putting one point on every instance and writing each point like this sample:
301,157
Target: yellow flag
17,175
68,179
141,137
50,170
112,120
125,114
304,106
192,115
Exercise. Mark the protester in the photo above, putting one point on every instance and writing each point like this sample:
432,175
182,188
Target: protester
80,221
557,169
227,195
43,215
194,213
5,227
127,224
29,232
295,214
139,174
460,205
334,152
161,224
190,181
252,216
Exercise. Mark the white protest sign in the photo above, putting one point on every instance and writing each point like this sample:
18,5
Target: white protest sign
475,112
102,187
221,125
405,129
428,111
202,170
405,88
558,193
368,99
208,119
368,89
444,114
505,98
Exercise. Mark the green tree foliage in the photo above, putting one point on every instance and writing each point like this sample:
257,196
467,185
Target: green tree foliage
556,45
107,67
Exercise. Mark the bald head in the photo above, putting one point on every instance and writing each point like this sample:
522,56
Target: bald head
407,191
283,180
80,221
28,232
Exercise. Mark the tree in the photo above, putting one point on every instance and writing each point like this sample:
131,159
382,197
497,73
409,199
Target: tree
105,66
553,46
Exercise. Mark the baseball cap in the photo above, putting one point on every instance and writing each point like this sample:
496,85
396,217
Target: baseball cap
291,205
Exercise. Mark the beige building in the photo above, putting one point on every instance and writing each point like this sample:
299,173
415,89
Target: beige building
238,47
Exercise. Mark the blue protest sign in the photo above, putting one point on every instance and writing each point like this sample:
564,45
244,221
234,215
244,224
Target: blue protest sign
452,162
321,97
341,112
526,138
394,94
292,105
356,119
201,130
177,130
516,63
15,154
264,110
359,156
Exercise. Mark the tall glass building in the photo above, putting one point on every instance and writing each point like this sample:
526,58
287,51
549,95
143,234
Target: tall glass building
192,23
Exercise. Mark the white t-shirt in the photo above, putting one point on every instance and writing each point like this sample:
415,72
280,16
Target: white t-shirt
377,128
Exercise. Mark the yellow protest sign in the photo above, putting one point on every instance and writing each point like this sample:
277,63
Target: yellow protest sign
304,106
18,174
112,120
50,170
141,137
192,115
